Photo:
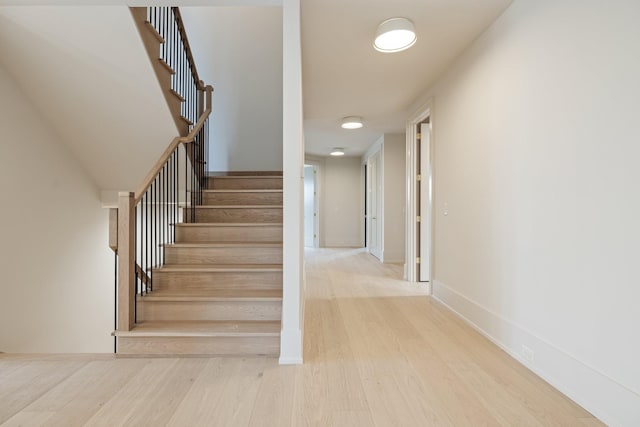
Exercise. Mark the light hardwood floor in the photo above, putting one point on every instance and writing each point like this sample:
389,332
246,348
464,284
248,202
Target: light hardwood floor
378,352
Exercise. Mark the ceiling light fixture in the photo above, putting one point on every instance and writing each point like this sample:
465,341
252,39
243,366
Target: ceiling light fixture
351,122
337,151
395,35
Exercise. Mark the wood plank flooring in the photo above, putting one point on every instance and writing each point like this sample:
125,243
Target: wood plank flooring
378,352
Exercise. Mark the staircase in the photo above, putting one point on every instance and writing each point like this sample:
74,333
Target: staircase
219,291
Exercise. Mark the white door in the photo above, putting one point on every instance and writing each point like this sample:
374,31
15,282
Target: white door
425,202
375,207
310,233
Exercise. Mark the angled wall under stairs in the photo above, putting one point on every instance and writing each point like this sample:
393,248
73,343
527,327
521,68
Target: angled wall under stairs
220,290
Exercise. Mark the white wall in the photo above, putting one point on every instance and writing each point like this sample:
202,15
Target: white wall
56,291
341,201
98,91
342,211
394,166
536,153
239,51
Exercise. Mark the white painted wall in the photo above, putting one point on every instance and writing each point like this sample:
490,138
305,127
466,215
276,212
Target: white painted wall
394,160
341,205
56,292
239,51
86,71
536,154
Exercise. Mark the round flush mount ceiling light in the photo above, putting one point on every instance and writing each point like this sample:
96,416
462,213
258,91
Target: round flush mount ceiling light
395,35
337,151
351,122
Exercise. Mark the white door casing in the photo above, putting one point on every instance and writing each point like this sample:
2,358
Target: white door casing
425,202
412,242
374,182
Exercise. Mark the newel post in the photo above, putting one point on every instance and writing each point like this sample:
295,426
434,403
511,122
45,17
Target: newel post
126,261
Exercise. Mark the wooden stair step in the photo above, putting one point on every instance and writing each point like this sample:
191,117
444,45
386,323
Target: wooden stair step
224,253
214,295
201,338
237,213
277,206
228,232
244,191
219,268
245,182
204,245
207,277
242,197
246,305
245,173
203,329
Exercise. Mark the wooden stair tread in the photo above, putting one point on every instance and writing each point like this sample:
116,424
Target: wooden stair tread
245,190
203,329
166,66
204,268
236,207
229,224
154,32
246,177
217,295
203,245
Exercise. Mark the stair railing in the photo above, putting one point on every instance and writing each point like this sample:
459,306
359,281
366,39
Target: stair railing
145,220
176,53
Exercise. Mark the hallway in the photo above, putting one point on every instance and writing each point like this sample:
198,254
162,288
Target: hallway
377,352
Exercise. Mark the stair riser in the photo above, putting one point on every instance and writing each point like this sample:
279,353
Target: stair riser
228,234
224,255
213,199
260,215
216,281
263,183
201,346
208,310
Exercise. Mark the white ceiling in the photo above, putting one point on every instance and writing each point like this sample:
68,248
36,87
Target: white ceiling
344,75
98,91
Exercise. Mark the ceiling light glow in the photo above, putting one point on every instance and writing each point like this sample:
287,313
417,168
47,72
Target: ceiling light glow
351,122
337,151
395,35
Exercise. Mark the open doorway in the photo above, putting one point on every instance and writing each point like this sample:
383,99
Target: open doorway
424,196
374,205
310,206
419,226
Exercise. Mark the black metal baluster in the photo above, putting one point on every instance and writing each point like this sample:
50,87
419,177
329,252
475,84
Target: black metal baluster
186,183
154,237
147,235
161,214
115,302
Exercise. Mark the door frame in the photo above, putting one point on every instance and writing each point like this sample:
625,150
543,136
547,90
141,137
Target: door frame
316,203
411,228
375,152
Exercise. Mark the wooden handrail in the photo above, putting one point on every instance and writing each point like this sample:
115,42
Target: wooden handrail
151,176
185,40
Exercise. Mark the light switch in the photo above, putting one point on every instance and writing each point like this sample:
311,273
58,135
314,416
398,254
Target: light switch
445,209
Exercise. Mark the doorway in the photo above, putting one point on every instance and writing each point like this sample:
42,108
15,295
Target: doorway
374,205
424,196
419,260
310,206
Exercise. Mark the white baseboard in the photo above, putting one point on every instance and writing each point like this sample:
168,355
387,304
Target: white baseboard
290,347
609,400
